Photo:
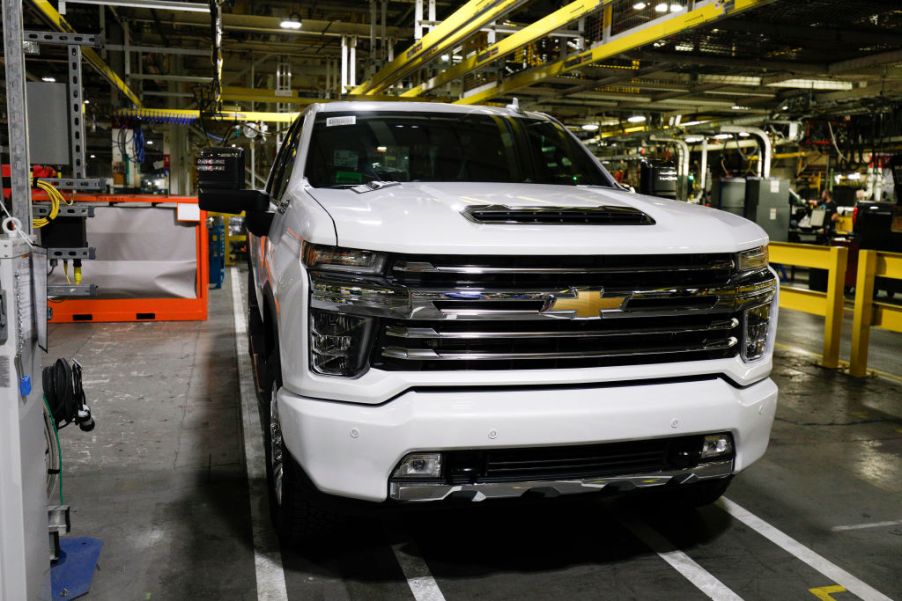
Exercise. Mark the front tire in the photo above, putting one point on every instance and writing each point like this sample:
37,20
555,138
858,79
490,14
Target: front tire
299,513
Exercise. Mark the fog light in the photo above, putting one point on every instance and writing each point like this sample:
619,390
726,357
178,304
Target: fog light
420,465
717,445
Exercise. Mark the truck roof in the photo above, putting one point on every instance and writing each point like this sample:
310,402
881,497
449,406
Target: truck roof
346,106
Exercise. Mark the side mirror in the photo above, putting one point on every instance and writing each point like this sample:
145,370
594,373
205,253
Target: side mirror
220,179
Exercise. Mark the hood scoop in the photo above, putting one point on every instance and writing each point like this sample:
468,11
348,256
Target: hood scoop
604,215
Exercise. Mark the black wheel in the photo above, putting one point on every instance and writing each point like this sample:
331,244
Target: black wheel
299,513
701,493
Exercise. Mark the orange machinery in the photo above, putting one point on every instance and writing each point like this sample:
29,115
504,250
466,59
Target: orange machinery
73,310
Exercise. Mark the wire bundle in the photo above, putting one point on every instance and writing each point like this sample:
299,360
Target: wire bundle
56,198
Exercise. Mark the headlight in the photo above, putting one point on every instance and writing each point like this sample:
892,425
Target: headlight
756,331
749,261
348,260
339,343
356,295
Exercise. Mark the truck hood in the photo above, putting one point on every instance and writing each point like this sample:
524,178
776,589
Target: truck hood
426,218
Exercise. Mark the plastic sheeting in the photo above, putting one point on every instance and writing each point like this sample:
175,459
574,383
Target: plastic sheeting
142,252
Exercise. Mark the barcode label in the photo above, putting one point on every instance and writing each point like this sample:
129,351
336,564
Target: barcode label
349,120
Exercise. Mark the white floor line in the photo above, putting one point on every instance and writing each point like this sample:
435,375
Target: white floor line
267,554
419,578
867,525
682,563
803,553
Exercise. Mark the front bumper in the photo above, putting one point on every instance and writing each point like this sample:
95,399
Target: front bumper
350,450
410,491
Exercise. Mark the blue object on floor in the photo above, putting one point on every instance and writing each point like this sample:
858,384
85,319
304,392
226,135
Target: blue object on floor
72,573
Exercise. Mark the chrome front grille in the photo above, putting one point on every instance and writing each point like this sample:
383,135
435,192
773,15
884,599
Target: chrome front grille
558,273
550,344
468,313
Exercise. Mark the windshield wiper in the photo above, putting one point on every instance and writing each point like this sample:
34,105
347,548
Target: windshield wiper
373,185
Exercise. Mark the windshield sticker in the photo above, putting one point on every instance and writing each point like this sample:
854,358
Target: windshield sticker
349,120
344,158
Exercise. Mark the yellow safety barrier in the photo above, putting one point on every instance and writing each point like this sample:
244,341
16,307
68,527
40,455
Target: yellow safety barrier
872,264
828,305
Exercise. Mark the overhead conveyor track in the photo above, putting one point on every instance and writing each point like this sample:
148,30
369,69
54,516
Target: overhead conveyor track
537,30
703,13
463,23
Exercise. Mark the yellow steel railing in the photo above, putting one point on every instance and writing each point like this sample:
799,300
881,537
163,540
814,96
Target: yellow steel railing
872,264
828,305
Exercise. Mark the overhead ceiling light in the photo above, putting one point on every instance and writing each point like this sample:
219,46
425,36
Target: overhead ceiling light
590,127
662,7
49,79
785,107
694,139
640,5
87,101
150,143
293,22
854,176
739,107
744,134
93,156
446,58
636,119
723,136
676,7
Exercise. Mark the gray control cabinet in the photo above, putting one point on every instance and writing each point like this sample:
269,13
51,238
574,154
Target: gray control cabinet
729,195
767,204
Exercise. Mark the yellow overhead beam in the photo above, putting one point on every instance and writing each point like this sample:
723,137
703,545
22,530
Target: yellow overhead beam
535,31
239,94
269,117
465,21
662,27
60,24
266,95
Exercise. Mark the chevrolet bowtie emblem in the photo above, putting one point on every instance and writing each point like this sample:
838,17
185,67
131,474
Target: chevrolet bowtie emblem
581,304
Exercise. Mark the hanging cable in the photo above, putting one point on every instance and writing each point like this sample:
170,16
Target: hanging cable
65,395
56,198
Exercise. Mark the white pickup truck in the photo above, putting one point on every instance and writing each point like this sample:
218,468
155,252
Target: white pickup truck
453,302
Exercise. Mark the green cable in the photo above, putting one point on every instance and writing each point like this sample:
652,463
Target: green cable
59,447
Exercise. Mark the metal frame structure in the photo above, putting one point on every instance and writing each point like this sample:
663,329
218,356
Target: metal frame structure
465,21
702,13
56,20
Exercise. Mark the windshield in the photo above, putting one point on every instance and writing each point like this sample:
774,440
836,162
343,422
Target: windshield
352,149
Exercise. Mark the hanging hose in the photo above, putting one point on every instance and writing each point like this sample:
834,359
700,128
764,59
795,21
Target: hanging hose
65,395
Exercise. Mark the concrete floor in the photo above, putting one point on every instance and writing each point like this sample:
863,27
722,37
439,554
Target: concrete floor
162,482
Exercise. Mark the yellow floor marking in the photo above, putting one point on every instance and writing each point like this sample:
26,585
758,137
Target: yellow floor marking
825,593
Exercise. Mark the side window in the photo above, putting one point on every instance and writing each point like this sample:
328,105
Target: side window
289,160
285,158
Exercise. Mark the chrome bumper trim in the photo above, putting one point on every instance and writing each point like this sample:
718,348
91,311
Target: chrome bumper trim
418,492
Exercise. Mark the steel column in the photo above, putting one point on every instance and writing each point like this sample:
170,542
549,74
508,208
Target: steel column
76,114
17,113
